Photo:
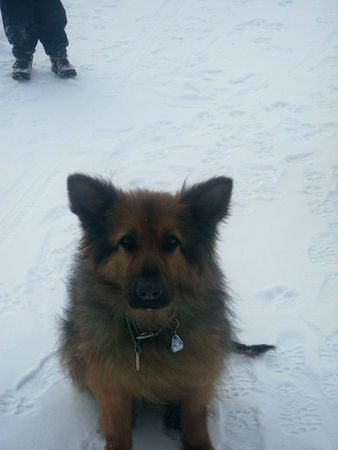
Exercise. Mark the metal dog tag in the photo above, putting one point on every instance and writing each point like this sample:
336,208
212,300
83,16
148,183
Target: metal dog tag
176,343
137,361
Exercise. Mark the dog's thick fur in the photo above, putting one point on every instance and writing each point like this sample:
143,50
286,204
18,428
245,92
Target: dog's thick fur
151,256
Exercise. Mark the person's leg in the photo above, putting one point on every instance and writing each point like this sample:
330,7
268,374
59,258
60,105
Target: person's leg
19,26
21,32
51,20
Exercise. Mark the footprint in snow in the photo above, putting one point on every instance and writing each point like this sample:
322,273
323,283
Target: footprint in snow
289,360
328,350
299,158
300,415
239,383
243,79
328,290
324,250
280,296
329,385
277,106
22,399
11,302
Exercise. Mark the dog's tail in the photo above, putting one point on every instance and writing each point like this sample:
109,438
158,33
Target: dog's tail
251,350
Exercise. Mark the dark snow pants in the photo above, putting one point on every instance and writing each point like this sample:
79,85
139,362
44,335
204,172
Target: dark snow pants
27,21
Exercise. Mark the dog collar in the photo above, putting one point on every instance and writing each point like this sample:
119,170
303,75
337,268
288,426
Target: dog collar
138,335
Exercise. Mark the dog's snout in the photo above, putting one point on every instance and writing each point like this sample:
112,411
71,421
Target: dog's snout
149,289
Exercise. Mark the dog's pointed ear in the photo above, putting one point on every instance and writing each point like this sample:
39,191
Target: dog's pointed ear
89,197
209,201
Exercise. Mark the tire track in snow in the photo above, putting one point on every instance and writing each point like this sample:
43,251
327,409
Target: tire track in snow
26,203
45,176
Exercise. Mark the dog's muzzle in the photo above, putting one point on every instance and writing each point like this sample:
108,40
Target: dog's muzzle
148,293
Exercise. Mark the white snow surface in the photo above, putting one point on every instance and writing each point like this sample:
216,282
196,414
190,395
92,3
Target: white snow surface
169,90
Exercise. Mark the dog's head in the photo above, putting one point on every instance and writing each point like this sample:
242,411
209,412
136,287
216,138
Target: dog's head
148,245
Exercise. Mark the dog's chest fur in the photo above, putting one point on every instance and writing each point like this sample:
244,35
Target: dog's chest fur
163,376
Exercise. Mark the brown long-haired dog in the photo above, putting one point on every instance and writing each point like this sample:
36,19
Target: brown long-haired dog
148,315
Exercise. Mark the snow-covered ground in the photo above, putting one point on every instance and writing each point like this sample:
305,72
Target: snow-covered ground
168,90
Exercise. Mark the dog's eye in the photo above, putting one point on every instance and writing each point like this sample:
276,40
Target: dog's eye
128,242
171,242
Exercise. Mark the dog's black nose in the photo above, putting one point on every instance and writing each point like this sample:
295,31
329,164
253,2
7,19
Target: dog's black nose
149,289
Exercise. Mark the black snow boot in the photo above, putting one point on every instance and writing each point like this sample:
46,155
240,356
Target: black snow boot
22,68
62,67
